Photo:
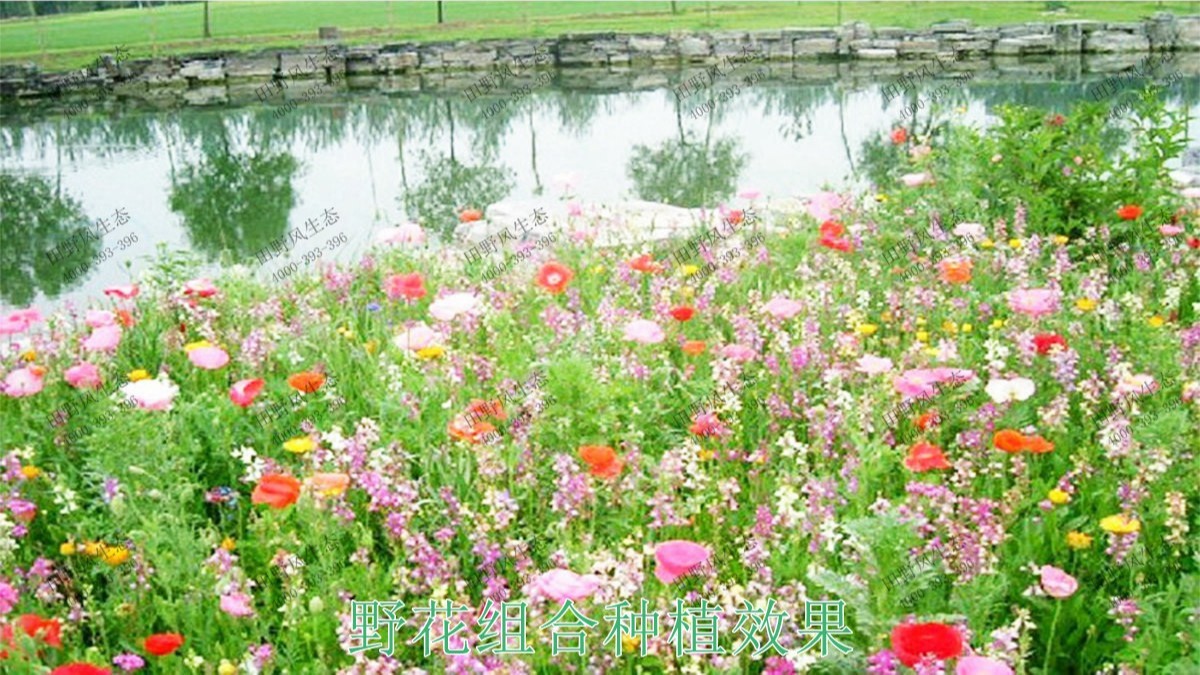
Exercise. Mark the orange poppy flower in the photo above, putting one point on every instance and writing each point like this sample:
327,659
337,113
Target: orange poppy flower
460,429
276,490
554,277
694,347
645,263
125,318
925,457
329,484
161,644
470,215
955,271
480,408
602,460
1009,440
927,420
1037,445
1130,212
307,382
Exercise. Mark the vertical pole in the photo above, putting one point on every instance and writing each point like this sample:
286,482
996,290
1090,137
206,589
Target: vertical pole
440,19
207,34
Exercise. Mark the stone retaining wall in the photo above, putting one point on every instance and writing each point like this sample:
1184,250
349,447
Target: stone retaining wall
850,42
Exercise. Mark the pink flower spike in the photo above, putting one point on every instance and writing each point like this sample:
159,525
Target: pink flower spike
83,375
677,558
243,392
124,292
208,358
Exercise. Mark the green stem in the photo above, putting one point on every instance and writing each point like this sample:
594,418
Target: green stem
1050,642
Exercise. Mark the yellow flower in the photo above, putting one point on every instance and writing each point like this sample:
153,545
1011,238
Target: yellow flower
114,555
1120,524
687,292
92,548
886,316
950,327
920,321
228,544
997,324
966,328
345,332
598,269
371,346
1059,497
987,243
630,643
1015,243
299,445
430,352
1157,321
866,329
137,375
923,335
705,455
1061,240
1079,540
881,197
30,356
67,548
689,270
226,668
30,471
196,345
932,351
1085,304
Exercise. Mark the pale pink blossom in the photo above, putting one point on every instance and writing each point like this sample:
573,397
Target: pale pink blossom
1170,230
874,365
417,337
1034,302
823,205
208,358
243,392
202,287
103,339
981,665
737,352
19,321
644,331
972,231
405,233
783,308
24,381
677,558
449,306
98,318
83,375
1057,583
916,179
151,394
561,585
237,604
124,292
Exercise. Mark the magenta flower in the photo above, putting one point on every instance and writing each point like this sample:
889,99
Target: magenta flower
129,662
83,375
1033,302
560,585
243,392
208,358
644,331
1057,583
677,558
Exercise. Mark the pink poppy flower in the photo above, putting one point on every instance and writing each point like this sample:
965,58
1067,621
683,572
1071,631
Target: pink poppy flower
103,339
739,353
243,392
874,365
19,321
417,338
916,383
151,394
1170,230
916,179
405,233
783,308
449,306
1057,583
562,585
952,375
124,292
822,205
677,558
981,665
1033,302
201,287
208,358
99,318
237,604
644,331
24,381
83,375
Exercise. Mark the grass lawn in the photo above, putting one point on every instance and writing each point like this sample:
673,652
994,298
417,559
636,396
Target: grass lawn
73,40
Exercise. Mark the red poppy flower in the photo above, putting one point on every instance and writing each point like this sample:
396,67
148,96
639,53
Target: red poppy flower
125,318
1056,121
1194,242
911,641
410,286
694,347
899,135
470,215
554,277
1044,342
276,490
1130,212
735,217
161,644
831,236
683,312
924,456
80,668
603,461
926,420
307,382
48,631
645,263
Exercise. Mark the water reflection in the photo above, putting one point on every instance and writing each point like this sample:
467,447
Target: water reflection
224,182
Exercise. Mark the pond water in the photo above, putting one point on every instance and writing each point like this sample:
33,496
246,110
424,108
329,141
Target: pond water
227,182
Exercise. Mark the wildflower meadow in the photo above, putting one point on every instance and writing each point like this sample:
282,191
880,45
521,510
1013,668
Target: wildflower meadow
977,455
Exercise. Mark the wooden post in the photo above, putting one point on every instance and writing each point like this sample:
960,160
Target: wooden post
207,34
439,11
